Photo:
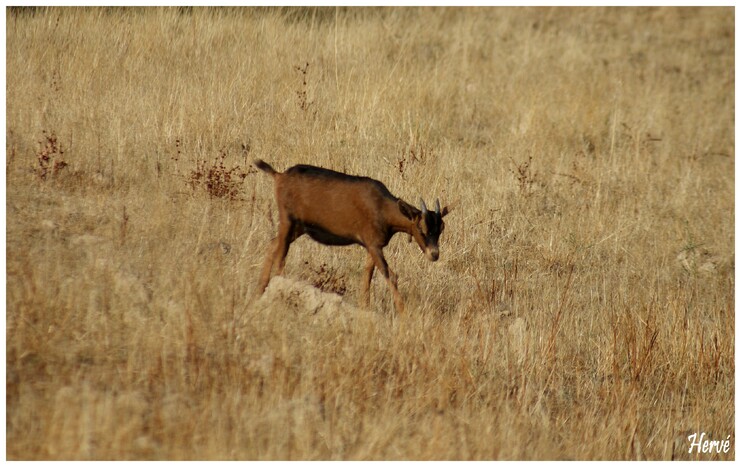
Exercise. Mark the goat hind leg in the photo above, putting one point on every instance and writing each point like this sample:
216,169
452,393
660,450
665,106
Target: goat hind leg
287,235
278,249
367,279
267,266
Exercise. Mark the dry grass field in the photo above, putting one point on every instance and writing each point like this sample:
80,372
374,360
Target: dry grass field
583,303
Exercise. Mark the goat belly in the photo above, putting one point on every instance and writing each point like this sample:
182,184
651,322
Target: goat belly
326,237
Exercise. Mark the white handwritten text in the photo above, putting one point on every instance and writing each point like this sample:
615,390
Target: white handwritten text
706,446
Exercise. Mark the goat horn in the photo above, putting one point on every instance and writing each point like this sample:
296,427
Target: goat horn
423,206
436,209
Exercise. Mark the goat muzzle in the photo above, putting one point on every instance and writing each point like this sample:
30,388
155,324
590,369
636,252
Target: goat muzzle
432,253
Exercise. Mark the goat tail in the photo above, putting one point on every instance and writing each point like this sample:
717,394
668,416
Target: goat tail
265,167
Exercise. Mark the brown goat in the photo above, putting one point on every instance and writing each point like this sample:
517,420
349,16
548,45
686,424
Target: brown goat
334,208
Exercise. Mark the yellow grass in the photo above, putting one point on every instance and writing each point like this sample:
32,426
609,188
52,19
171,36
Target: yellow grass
583,305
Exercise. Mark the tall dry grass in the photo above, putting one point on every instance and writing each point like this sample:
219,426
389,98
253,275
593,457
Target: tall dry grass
583,305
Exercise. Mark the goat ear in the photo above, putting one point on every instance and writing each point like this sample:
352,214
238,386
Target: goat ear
448,209
406,209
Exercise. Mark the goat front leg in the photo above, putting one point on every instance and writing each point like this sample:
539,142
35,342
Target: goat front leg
380,263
